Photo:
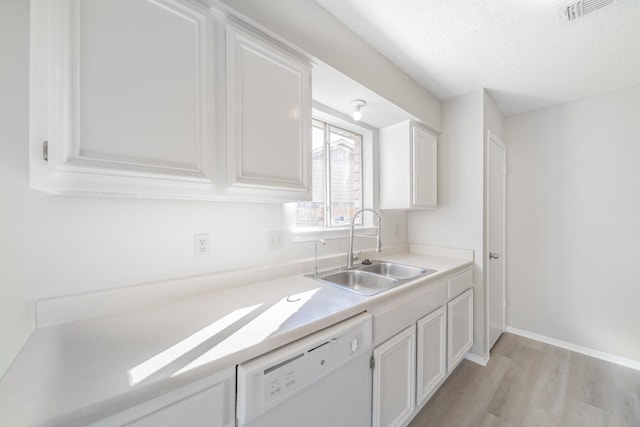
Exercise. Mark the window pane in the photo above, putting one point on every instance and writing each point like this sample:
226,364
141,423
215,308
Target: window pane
345,167
311,214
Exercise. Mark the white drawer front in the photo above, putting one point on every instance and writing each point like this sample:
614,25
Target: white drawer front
389,319
460,283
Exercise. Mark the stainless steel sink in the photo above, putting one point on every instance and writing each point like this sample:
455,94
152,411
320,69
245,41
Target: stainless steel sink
361,282
372,278
390,269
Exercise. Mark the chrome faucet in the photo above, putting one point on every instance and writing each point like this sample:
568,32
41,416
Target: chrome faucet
315,256
352,235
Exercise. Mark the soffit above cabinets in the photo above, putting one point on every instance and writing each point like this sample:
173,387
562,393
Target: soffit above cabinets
335,90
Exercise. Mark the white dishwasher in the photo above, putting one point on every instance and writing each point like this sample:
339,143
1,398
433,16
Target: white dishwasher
321,380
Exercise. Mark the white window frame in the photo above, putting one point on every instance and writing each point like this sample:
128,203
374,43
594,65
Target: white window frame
369,144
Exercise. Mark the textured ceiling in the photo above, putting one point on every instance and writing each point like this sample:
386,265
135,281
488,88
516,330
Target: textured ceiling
514,48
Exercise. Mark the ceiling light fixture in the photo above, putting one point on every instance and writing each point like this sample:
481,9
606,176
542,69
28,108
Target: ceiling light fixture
357,104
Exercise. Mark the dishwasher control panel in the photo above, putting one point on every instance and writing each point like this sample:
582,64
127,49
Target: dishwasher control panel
269,379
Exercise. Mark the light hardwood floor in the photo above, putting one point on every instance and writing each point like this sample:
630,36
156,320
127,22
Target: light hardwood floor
532,384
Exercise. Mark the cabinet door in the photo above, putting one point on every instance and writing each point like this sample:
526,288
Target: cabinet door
424,151
209,408
269,116
460,325
394,380
123,92
432,350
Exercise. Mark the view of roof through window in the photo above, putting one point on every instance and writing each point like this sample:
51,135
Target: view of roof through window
337,154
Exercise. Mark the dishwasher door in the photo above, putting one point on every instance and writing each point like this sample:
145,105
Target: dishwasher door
321,380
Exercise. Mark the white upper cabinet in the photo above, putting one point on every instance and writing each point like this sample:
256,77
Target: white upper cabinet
408,167
122,92
269,117
165,99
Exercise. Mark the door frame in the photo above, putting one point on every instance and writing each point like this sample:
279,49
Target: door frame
492,138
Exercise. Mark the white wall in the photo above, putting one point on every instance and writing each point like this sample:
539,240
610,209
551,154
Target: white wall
16,314
51,246
493,119
573,227
458,220
309,26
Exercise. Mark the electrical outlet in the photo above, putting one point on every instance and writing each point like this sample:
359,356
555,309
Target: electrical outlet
276,239
201,245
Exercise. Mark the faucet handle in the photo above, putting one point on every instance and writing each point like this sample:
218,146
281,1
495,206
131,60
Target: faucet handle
354,257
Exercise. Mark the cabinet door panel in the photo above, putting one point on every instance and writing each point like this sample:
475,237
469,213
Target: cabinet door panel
269,115
123,92
205,409
460,325
394,380
425,171
139,98
408,167
432,350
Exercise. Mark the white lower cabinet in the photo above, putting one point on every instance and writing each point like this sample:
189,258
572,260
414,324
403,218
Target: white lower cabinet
394,380
209,402
460,324
432,352
419,338
408,369
204,409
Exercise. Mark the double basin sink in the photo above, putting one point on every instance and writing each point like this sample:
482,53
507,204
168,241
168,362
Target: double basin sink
373,278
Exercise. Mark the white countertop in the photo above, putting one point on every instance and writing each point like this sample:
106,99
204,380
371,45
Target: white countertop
74,373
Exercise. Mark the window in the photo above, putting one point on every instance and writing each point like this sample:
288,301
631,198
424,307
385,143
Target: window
337,178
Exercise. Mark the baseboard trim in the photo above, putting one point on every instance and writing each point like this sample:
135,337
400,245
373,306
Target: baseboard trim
477,359
629,363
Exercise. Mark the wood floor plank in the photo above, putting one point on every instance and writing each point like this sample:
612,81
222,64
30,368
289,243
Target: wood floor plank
466,374
491,420
550,388
587,379
538,417
624,378
621,408
581,414
506,345
484,381
536,345
532,384
512,398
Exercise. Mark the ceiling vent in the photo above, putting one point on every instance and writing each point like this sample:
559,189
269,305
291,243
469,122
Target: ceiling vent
573,11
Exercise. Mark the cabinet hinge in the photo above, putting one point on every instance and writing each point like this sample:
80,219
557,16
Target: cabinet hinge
45,151
372,363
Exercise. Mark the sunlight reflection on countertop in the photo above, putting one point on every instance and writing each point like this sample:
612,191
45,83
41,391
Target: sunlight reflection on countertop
73,373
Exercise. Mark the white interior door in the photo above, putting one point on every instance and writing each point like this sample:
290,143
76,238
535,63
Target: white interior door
496,186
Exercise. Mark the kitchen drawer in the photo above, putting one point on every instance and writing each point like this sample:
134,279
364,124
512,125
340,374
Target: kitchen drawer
460,283
389,319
